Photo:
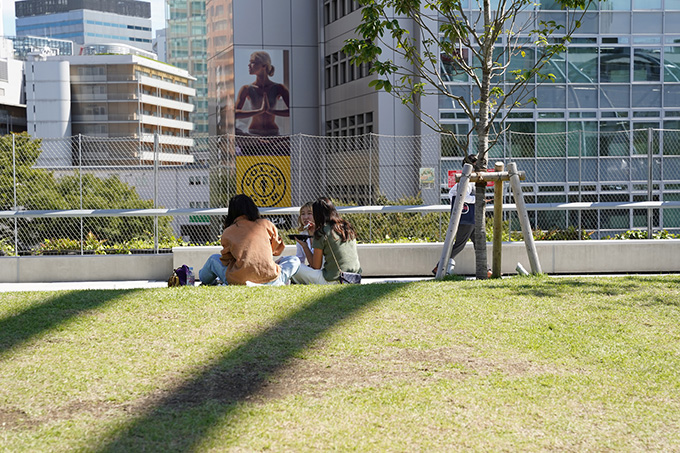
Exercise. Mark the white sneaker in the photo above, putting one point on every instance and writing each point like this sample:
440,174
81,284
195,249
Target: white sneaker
450,266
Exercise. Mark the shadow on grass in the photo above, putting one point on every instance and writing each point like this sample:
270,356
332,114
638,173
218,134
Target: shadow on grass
547,286
17,329
180,420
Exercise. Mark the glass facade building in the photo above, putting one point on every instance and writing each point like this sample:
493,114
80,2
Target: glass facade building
87,21
23,45
186,49
606,129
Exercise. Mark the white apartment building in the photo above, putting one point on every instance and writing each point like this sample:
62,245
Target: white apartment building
125,97
12,105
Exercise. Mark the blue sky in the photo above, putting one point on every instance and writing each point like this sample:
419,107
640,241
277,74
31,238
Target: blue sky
157,16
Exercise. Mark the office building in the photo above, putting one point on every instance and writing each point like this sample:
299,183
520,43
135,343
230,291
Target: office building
159,46
619,77
327,95
236,29
114,49
87,21
186,49
307,40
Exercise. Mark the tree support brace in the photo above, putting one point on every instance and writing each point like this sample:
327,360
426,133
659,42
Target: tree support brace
498,176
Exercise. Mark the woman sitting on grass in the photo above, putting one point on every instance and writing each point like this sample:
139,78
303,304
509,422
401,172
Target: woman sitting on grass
248,242
335,247
303,249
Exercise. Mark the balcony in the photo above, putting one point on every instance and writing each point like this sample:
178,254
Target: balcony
166,122
168,140
167,157
119,118
150,81
168,103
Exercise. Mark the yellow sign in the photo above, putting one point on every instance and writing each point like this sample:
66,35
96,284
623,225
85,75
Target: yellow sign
265,179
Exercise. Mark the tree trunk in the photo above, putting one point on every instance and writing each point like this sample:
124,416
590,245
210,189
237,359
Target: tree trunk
481,267
482,128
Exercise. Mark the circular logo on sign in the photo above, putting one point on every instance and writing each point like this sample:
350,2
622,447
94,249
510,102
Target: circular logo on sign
264,183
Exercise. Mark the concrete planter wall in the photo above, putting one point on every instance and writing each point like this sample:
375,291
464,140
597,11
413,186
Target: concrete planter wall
377,260
71,268
556,257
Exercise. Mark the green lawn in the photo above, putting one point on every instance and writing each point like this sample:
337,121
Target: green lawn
531,364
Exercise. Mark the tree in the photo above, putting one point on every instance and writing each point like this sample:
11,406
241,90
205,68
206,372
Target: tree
34,188
109,193
432,40
38,189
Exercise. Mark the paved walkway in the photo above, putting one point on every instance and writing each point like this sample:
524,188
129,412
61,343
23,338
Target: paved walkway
132,284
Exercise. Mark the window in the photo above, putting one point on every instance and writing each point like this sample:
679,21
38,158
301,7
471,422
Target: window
359,124
337,9
340,70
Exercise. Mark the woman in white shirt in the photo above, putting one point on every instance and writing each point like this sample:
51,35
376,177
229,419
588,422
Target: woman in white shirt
466,226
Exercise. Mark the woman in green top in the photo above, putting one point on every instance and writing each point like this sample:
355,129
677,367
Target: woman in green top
334,244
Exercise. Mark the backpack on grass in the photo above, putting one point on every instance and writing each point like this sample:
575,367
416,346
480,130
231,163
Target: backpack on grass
180,276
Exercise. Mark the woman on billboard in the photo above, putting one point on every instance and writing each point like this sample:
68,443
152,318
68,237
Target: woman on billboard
263,95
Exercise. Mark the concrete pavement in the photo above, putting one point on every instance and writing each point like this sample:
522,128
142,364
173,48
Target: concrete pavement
134,284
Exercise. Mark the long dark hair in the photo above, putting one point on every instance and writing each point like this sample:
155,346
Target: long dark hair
326,214
470,159
241,205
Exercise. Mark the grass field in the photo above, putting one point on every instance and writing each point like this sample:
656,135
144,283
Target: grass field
531,364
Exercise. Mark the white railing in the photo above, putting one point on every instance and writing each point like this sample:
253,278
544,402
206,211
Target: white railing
421,209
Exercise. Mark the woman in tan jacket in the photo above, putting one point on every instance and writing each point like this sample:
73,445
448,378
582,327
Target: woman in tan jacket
248,243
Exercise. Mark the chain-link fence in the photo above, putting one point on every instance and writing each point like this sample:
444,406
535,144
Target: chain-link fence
85,173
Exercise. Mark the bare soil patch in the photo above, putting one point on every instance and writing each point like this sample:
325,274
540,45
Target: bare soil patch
399,365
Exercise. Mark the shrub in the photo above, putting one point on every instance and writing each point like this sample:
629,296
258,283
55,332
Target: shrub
147,243
570,234
7,248
91,243
642,234
399,226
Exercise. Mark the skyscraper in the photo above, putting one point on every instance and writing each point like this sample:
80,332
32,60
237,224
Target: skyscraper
186,49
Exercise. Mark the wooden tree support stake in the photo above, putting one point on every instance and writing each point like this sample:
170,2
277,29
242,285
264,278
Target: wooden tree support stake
453,221
524,219
497,223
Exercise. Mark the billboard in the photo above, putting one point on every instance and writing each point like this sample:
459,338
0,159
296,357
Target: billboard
262,104
262,125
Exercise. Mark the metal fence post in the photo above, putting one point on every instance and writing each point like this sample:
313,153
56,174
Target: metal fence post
14,185
650,181
298,149
370,189
580,180
80,174
438,182
155,191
